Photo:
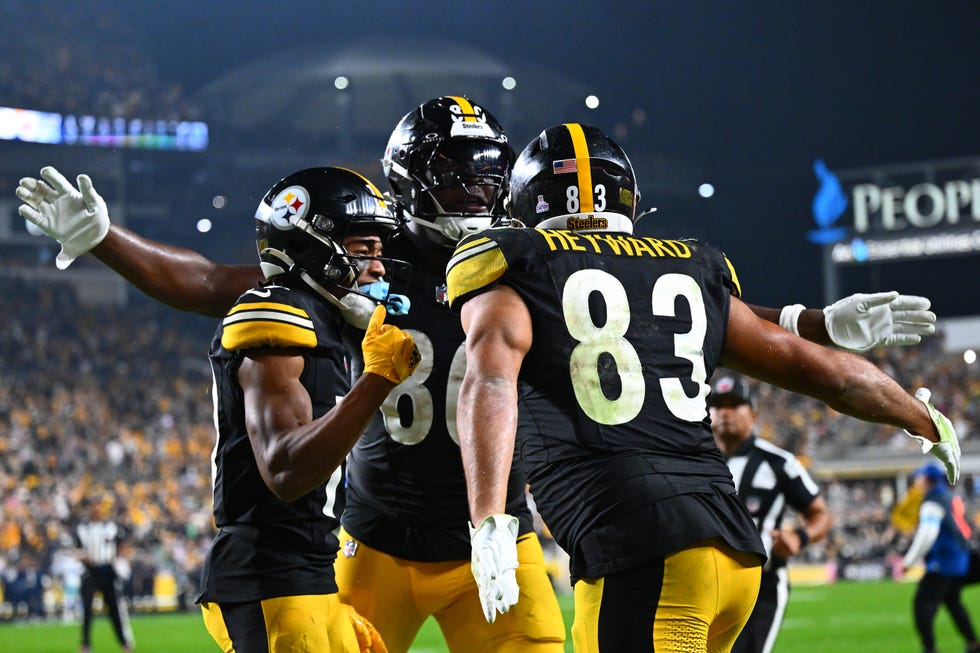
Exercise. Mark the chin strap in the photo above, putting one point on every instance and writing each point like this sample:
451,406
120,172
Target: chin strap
357,306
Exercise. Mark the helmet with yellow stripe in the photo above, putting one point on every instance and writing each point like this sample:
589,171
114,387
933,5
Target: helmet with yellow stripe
302,222
573,176
448,163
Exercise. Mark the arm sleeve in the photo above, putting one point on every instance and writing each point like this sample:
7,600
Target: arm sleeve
930,518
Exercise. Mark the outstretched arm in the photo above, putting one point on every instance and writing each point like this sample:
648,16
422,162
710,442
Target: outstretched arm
78,219
175,276
844,381
858,322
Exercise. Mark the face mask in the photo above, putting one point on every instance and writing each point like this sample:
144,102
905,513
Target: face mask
357,308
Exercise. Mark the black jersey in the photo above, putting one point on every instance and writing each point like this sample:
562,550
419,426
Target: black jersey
769,479
266,547
613,429
406,489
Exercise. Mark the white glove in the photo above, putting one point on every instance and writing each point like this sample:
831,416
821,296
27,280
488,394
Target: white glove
494,560
863,321
947,450
75,217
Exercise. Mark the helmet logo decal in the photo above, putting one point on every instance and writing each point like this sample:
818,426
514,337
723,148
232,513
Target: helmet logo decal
290,204
468,119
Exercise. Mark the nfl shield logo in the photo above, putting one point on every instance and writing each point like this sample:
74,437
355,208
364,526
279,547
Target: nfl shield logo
350,548
442,296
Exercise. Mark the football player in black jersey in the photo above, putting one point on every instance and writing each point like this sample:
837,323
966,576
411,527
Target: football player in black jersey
405,545
594,347
405,542
287,416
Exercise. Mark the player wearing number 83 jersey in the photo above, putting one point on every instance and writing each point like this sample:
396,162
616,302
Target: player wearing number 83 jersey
611,418
591,347
625,417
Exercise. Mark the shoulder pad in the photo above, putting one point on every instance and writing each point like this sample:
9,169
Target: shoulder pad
267,318
715,256
478,263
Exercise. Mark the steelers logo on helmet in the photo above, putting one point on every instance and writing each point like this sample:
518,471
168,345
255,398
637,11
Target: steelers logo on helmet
447,163
303,220
469,120
573,176
291,204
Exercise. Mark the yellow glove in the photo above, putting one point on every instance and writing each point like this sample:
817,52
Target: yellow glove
388,351
368,639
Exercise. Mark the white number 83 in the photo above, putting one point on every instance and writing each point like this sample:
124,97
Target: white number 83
610,339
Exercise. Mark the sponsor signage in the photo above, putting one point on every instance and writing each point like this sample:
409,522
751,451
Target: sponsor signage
899,212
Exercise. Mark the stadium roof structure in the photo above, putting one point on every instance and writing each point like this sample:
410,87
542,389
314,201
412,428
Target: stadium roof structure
294,93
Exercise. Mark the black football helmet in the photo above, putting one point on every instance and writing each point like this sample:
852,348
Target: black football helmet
302,221
449,144
573,176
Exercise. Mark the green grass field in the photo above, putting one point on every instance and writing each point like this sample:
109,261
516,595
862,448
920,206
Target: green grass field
841,618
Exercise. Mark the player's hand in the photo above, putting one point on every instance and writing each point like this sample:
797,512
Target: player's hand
494,563
863,321
388,351
75,217
368,638
947,450
785,543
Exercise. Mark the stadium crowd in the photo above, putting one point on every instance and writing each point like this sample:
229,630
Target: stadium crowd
98,70
114,403
110,404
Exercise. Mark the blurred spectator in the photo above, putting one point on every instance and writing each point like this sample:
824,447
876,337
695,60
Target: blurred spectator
111,401
84,60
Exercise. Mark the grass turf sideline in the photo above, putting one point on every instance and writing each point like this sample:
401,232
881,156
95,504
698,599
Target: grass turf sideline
843,618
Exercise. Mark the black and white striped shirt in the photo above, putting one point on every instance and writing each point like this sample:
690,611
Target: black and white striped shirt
768,479
98,540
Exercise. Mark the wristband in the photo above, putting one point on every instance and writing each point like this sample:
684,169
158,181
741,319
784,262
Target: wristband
790,316
804,537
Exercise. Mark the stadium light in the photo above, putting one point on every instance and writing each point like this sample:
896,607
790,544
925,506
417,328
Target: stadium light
706,190
592,102
204,225
219,201
969,357
509,83
341,83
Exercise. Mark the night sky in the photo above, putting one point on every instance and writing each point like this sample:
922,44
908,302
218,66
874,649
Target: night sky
749,92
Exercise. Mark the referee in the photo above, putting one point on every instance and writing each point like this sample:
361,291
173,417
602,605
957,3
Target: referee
768,479
97,537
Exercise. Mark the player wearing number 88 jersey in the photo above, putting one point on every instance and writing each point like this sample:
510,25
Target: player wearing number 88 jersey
592,347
